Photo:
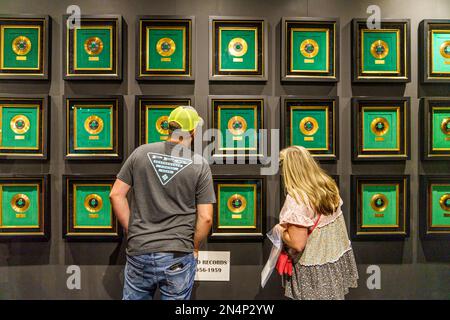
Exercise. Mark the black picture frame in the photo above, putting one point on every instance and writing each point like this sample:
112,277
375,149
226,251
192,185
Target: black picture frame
241,234
42,153
427,231
428,153
358,231
68,71
165,20
103,155
333,25
140,120
261,74
404,76
42,231
43,73
332,152
238,157
404,132
70,233
426,75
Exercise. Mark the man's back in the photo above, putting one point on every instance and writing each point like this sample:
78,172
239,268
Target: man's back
165,176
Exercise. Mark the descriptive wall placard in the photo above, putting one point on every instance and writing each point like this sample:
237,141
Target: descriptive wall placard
213,266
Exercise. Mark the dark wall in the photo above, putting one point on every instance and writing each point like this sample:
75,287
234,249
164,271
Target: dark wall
410,269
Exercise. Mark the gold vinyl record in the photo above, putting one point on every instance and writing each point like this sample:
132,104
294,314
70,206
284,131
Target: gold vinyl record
444,202
379,202
21,45
237,125
20,124
309,48
445,49
165,47
162,125
93,203
379,126
308,126
93,124
445,126
20,202
93,46
237,47
379,49
237,203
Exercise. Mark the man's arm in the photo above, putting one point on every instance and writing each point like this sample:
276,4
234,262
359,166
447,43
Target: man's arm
204,222
119,202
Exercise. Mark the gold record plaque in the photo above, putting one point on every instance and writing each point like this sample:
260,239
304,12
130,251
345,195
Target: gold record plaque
21,46
379,49
379,126
309,126
444,202
237,203
20,124
165,48
93,124
20,203
445,49
93,46
237,125
162,125
445,126
237,48
309,48
93,203
379,202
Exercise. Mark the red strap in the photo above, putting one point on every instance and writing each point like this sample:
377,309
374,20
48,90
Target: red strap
315,225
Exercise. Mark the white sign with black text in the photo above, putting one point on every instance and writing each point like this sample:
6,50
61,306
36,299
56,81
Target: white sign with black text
213,266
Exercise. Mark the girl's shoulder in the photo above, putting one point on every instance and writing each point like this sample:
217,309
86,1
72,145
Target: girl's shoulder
296,211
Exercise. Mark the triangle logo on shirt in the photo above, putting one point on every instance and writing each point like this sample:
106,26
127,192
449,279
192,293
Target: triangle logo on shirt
166,167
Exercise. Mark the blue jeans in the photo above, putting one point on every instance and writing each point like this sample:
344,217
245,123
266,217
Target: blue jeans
144,273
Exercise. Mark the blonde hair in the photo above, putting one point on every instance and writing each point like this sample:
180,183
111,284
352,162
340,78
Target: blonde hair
306,182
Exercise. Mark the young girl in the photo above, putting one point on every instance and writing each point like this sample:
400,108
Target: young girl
313,230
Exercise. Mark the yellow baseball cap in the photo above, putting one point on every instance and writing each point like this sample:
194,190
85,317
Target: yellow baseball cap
187,117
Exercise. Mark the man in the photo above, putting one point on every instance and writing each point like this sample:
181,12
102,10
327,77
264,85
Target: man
171,211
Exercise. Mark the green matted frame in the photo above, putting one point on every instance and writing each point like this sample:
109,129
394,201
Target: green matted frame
435,207
310,49
434,49
94,127
87,212
151,114
381,129
25,207
93,51
24,127
25,47
381,55
379,207
316,125
248,112
238,48
435,128
240,211
164,48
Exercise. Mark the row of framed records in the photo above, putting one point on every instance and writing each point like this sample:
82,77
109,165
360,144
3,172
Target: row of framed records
238,49
94,128
380,207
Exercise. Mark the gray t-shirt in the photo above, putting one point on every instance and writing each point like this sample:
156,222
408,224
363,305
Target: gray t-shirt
168,180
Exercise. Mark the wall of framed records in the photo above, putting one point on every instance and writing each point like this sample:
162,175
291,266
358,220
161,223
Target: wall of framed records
298,65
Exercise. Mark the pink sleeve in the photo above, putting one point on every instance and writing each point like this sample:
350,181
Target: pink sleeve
295,213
